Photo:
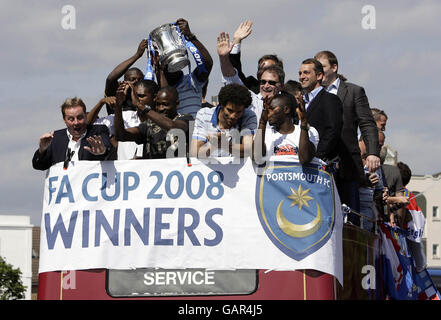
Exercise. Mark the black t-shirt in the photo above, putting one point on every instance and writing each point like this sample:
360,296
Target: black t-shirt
156,140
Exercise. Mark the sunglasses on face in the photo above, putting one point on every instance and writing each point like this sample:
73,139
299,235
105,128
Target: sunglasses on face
270,82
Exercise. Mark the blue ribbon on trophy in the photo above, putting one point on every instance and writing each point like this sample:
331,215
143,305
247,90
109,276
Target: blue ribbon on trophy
172,47
193,49
149,74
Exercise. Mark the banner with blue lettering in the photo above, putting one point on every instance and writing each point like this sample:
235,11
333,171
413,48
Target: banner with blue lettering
164,213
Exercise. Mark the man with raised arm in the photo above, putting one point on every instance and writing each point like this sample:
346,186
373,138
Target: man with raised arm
78,141
130,74
154,132
271,78
189,86
242,32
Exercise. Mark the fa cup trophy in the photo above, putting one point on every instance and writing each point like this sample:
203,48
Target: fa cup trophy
167,41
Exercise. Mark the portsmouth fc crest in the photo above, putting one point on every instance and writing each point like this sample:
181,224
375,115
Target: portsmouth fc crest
296,207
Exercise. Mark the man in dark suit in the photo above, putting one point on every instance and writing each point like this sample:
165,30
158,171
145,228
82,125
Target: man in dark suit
356,114
78,142
323,110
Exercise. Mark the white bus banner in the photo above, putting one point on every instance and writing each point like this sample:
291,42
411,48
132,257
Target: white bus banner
165,214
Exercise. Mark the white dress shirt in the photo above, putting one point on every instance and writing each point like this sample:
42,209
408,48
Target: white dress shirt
310,96
333,87
74,146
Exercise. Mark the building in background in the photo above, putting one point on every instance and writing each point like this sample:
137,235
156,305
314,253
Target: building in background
391,155
427,190
35,260
16,246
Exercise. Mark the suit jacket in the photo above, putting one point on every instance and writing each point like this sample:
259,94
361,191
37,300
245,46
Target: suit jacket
57,150
356,113
250,82
325,114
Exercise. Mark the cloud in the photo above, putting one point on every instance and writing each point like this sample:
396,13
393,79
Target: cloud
416,149
414,17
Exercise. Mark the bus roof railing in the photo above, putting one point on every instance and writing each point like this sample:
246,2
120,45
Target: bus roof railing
346,210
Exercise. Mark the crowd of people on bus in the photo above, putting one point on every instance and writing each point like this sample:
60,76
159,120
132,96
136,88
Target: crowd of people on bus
320,115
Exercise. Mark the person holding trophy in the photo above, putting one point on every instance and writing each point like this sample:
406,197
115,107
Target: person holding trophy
168,46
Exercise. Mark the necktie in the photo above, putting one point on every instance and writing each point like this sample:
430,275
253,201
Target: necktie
306,98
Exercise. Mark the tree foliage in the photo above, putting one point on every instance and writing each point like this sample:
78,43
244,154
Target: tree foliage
11,286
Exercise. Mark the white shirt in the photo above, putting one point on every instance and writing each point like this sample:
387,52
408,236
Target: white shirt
333,87
126,149
236,48
74,146
278,144
310,96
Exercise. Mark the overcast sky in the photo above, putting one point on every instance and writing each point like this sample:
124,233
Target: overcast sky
398,63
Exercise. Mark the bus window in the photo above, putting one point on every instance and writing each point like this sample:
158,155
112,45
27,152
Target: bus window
148,282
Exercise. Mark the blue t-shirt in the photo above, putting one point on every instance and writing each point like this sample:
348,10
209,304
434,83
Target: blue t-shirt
190,94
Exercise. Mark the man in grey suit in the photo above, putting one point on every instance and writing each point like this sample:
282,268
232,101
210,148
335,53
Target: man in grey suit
356,114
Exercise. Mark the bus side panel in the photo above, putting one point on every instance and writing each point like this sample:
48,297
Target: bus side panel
319,285
280,285
272,285
362,265
85,284
49,286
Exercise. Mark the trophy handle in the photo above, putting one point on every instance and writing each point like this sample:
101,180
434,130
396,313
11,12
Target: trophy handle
177,34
